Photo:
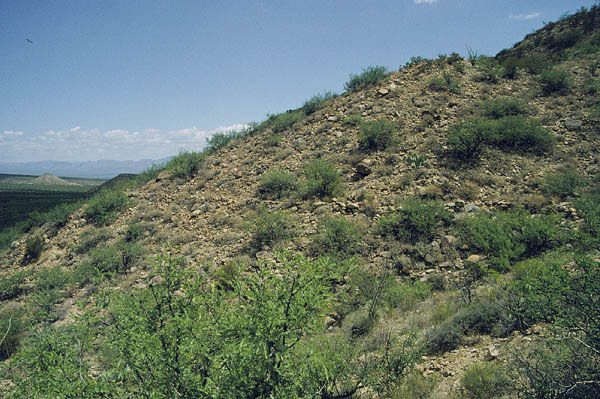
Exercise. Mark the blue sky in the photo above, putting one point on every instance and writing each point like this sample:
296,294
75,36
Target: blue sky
143,79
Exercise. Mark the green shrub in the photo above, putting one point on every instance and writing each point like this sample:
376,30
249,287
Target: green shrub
376,135
12,285
555,80
370,76
339,238
136,231
406,295
107,261
443,338
322,179
504,106
50,279
91,239
536,63
417,220
490,70
444,83
480,316
12,330
465,139
317,102
517,133
510,66
269,228
591,87
284,121
104,207
277,184
273,140
353,120
588,208
185,164
33,249
564,183
486,381
218,141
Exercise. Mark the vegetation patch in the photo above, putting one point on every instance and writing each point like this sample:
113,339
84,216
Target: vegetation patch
370,76
416,220
321,180
376,135
185,164
317,102
269,228
105,206
277,184
339,238
555,81
504,106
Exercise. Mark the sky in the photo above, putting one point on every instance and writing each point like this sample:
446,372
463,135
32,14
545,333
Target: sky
146,79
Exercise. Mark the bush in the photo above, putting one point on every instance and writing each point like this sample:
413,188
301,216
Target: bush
376,135
12,329
91,239
107,261
317,102
445,83
370,76
104,207
510,66
504,106
417,220
592,87
284,121
12,285
185,164
517,133
322,179
48,292
486,381
465,139
277,184
33,249
218,141
490,70
443,338
353,120
407,294
270,228
339,239
536,63
588,208
273,140
555,80
137,231
563,183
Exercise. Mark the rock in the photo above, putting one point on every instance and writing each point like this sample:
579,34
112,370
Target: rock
393,87
383,91
332,119
445,265
471,207
449,240
474,258
492,353
573,124
329,321
363,170
418,102
14,245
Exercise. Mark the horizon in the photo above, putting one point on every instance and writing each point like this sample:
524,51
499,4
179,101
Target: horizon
146,80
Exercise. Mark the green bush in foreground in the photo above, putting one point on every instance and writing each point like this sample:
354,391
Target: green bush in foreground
33,249
376,135
321,180
12,329
277,184
486,381
185,164
104,207
370,76
466,139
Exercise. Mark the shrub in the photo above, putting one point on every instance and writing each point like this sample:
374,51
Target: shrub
218,141
465,139
317,102
107,261
376,135
33,249
104,207
339,239
591,87
136,231
510,66
353,120
49,285
273,140
91,239
588,208
486,381
185,164
270,228
504,106
564,183
445,83
417,220
322,179
12,330
443,338
517,133
407,294
555,80
284,121
490,70
536,63
277,184
370,76
12,285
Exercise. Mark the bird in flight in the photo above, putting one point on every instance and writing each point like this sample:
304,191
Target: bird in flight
29,41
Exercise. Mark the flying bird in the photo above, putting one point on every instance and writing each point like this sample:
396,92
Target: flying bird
29,41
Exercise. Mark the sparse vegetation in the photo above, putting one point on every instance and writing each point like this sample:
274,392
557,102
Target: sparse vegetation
564,183
370,76
317,102
185,164
270,227
33,249
486,381
555,80
105,206
444,83
284,121
321,180
417,220
376,135
277,184
339,238
504,106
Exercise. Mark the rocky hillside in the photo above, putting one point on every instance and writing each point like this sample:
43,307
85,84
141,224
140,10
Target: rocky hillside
435,192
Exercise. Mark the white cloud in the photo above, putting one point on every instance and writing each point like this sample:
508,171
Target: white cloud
78,144
425,1
524,17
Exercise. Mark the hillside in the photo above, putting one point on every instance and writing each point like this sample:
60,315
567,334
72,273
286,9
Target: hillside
431,232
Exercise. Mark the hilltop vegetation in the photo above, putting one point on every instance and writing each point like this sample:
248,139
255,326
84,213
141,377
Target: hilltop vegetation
431,232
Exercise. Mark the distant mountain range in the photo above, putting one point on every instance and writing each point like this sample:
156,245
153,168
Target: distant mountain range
102,169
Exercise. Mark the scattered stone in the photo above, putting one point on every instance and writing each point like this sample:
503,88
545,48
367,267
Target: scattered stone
383,91
492,353
573,124
363,170
474,258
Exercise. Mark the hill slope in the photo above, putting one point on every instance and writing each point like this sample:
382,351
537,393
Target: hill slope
465,210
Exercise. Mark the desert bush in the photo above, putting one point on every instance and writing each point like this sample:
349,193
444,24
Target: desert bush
273,140
12,328
489,70
339,238
376,135
536,63
33,249
504,106
353,120
555,80
269,228
444,83
370,76
406,295
104,207
443,338
317,102
417,220
12,285
465,139
321,179
137,230
284,121
591,87
91,239
49,290
106,261
415,385
486,381
277,184
520,134
185,164
510,66
588,208
564,183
